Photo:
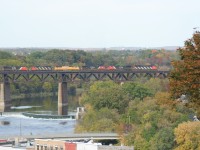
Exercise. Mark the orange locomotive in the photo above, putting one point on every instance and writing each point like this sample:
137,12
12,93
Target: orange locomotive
62,68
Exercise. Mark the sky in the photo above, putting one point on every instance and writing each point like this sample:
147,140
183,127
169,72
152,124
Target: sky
97,23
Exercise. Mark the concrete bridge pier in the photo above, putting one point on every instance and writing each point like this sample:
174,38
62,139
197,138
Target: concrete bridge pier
62,98
5,100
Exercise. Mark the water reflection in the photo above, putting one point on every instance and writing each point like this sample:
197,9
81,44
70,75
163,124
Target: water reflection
42,104
35,104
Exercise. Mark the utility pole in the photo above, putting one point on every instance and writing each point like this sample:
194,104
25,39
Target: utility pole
20,128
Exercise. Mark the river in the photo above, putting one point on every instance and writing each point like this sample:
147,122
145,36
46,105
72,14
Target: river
14,124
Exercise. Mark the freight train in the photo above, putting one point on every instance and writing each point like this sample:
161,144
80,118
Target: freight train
76,68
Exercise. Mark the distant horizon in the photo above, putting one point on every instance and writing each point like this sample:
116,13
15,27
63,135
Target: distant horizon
91,47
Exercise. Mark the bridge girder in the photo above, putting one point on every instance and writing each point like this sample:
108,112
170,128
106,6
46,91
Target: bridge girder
70,76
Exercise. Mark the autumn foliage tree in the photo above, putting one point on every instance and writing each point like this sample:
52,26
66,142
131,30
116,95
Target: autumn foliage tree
185,76
187,136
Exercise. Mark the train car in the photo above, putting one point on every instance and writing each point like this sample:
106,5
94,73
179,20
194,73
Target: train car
111,68
73,68
8,68
140,67
145,67
101,68
41,68
64,68
92,67
23,68
106,68
120,67
154,68
87,68
33,68
127,67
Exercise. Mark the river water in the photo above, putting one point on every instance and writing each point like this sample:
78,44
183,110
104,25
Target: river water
14,124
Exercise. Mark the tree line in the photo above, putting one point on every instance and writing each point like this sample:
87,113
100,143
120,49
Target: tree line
56,57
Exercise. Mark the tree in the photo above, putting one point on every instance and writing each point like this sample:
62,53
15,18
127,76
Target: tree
185,77
136,90
163,139
5,55
106,94
98,121
187,136
152,123
47,86
157,85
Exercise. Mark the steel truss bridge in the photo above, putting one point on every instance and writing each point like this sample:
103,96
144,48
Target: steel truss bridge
85,75
65,77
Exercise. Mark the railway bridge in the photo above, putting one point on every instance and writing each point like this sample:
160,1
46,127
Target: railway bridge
65,77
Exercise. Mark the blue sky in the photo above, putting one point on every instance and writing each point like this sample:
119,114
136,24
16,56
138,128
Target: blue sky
97,23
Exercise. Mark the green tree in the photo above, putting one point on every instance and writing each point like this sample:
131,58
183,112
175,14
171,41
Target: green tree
98,120
157,85
37,55
163,139
5,55
106,94
10,62
47,86
136,90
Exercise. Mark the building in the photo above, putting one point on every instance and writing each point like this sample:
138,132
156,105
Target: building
51,144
